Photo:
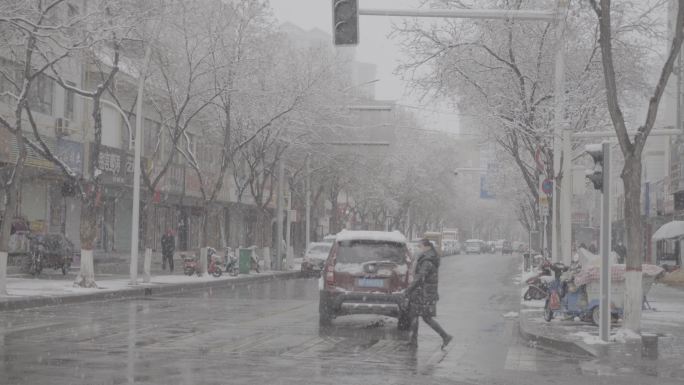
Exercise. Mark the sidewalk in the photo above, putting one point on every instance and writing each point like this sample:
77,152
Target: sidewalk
32,292
625,353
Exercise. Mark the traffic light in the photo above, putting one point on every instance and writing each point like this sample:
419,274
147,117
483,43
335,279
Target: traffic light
346,22
596,175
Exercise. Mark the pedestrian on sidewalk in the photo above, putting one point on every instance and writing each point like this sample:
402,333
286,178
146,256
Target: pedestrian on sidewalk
168,244
422,293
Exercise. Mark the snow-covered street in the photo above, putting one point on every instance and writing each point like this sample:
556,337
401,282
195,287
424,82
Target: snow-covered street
268,333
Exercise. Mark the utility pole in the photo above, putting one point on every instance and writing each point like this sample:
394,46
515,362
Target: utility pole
135,225
135,221
604,305
565,221
559,207
288,230
279,216
308,203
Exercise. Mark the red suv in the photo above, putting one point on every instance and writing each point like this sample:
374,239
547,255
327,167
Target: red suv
366,272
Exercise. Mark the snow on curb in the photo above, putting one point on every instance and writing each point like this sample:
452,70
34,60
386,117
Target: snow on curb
36,293
619,336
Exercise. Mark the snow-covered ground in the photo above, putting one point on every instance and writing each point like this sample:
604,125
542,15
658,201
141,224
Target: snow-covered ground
27,287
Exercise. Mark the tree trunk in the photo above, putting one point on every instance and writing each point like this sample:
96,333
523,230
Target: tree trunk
263,231
88,233
12,201
631,178
204,237
6,226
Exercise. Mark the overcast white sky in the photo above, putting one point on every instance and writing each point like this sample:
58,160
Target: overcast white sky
374,47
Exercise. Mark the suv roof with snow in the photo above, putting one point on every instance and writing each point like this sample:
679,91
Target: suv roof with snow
386,236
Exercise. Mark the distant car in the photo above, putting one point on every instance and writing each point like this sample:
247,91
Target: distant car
474,246
498,245
315,256
507,247
366,272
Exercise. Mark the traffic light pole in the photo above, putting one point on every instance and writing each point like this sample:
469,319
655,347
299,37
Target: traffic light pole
604,305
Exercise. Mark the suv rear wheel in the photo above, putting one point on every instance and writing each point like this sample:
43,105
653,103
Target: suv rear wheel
404,321
324,312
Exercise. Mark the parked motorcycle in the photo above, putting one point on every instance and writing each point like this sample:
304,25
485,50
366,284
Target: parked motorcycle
214,267
557,290
232,265
35,266
191,264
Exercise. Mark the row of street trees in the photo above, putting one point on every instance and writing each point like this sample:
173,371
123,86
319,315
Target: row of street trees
503,73
225,89
227,94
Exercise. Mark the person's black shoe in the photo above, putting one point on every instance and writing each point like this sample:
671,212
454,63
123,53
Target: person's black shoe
446,341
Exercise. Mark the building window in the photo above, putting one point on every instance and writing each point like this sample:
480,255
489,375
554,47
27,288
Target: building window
69,102
41,94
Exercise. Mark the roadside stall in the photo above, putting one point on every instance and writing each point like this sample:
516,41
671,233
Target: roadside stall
669,240
575,292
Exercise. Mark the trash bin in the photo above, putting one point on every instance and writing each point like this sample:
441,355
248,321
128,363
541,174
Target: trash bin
245,260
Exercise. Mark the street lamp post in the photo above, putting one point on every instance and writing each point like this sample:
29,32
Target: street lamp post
308,203
135,226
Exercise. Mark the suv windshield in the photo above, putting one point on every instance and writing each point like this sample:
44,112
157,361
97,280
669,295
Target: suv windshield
367,251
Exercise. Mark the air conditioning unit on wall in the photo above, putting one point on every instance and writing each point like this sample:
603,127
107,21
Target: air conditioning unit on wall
62,128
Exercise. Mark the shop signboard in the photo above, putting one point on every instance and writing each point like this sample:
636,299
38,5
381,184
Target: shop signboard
70,152
116,165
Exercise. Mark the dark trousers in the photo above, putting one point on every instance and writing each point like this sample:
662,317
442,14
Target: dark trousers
431,322
169,258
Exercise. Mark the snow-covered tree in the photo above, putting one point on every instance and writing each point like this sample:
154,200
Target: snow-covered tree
636,26
45,39
501,72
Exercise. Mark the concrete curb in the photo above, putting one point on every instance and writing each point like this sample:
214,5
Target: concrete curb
528,333
142,291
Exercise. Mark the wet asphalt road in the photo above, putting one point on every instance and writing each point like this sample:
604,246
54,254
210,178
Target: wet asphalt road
268,333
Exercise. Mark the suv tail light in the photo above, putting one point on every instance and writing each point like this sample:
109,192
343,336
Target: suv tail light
330,268
330,274
409,270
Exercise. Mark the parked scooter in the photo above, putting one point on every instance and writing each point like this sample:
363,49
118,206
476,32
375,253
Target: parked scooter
191,264
556,291
232,266
538,287
214,267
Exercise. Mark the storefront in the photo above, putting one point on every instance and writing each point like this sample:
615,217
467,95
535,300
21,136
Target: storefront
116,204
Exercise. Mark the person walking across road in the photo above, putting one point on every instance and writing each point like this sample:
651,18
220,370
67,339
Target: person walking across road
168,244
422,293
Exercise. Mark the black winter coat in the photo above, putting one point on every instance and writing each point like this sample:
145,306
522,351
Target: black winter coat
168,244
422,292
